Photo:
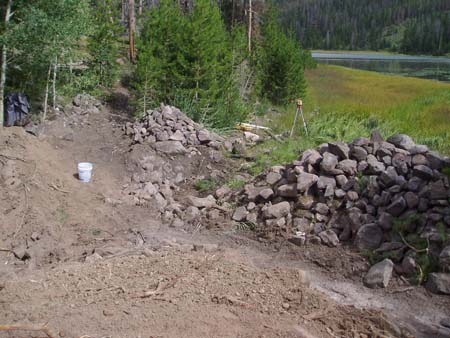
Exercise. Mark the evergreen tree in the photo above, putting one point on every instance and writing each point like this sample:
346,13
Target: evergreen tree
186,58
280,63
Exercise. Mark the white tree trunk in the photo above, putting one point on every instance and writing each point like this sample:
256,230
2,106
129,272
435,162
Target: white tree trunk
250,14
55,69
4,65
44,115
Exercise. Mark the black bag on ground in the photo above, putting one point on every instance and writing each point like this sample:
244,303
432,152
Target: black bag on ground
17,110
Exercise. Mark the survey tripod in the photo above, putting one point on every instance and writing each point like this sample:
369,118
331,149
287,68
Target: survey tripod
299,109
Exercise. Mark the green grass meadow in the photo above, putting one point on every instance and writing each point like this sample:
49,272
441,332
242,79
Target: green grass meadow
343,104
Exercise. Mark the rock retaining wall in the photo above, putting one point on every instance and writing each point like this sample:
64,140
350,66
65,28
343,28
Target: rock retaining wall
377,194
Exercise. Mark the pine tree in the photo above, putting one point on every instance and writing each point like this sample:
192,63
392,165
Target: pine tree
280,63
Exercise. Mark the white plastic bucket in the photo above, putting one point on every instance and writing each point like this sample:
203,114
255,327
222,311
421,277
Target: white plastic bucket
85,171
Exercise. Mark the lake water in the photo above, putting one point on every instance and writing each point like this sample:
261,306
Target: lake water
427,67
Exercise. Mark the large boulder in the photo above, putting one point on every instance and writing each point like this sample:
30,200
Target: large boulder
277,210
328,164
340,149
439,283
379,275
397,206
306,181
402,141
369,237
329,238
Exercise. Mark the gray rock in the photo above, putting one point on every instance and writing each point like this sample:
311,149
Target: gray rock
352,196
341,180
21,252
444,259
240,214
374,166
376,136
266,193
419,159
438,283
306,181
423,172
339,193
397,207
445,322
329,238
192,213
277,210
322,208
340,149
389,177
325,181
402,141
418,149
414,184
170,147
222,192
204,136
436,161
358,153
369,237
409,265
329,162
273,178
379,274
177,136
311,157
412,200
305,202
438,191
401,162
198,202
349,167
287,190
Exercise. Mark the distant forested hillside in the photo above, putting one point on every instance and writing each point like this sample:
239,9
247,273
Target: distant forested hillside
410,26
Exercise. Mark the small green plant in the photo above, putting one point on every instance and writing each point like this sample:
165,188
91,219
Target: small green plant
246,226
236,183
206,184
96,232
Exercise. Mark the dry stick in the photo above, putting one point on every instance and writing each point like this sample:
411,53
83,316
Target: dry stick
30,327
413,248
58,189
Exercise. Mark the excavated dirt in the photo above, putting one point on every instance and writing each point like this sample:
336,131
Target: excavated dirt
76,256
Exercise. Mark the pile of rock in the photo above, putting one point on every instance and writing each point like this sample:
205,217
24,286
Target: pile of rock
169,131
170,150
372,192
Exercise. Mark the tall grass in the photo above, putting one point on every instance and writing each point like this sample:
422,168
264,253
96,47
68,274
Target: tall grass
343,104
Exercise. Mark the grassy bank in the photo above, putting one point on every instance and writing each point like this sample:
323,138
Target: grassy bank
344,103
